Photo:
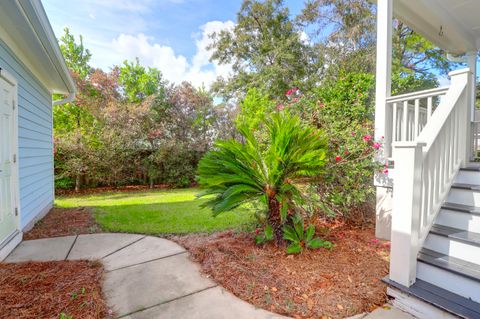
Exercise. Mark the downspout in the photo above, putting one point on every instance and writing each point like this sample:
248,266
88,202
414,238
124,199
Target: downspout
68,99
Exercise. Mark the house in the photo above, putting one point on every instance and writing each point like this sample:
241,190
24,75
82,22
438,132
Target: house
32,69
429,204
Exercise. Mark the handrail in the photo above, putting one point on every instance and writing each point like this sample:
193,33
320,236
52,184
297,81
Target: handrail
409,113
425,169
418,95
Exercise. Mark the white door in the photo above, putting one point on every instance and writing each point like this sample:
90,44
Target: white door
8,220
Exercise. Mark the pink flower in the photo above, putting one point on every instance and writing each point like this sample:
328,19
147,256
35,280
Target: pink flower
353,133
291,91
367,138
338,158
280,107
375,241
385,171
377,145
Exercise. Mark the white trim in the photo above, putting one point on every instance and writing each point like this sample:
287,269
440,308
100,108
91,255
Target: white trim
417,307
43,57
36,15
10,245
15,171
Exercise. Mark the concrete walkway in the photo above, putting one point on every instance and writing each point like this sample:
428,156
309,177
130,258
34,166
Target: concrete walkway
149,277
145,277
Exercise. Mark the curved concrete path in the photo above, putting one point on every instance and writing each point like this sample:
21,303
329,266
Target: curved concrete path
145,277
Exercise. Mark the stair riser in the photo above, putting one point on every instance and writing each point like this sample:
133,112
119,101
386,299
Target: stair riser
453,248
460,220
455,283
464,196
468,177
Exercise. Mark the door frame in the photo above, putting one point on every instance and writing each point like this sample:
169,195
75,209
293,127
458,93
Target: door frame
5,75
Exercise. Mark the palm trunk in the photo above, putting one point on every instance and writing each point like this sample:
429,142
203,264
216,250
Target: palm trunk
274,219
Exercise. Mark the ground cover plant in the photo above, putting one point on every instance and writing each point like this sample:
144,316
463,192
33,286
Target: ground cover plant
155,212
61,289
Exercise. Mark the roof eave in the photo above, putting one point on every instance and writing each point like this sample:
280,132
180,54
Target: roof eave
36,15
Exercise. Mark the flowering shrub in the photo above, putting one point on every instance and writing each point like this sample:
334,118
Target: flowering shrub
344,111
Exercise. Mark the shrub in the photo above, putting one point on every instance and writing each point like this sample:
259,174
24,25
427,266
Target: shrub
275,171
64,183
343,110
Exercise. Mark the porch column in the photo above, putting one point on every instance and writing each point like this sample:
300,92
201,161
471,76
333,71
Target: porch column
384,65
472,65
382,116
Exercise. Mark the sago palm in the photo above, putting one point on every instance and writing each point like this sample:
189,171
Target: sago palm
274,170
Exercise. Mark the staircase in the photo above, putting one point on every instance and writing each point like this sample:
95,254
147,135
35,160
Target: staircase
448,264
435,255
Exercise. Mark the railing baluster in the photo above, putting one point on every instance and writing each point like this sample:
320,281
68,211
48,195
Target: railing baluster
405,121
416,119
394,123
429,107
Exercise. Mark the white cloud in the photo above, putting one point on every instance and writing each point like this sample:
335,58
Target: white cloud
175,68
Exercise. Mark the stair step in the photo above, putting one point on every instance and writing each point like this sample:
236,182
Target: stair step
456,265
472,187
468,237
440,298
471,168
462,217
462,208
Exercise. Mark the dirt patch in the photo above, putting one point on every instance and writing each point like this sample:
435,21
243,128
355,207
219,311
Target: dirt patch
60,289
64,222
322,283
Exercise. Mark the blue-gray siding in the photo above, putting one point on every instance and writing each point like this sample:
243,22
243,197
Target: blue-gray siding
35,147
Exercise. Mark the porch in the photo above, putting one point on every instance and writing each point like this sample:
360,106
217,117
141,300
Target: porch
428,202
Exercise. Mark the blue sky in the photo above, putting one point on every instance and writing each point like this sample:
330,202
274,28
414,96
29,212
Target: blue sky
168,34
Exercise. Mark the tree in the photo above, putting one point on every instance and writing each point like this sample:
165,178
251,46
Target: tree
138,82
75,125
274,172
350,46
266,51
75,54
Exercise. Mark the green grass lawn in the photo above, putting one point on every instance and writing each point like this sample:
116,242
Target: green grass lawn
156,212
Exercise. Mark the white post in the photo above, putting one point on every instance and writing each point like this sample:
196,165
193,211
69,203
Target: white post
406,212
384,70
472,65
383,116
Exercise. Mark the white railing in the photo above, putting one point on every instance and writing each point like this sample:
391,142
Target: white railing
410,113
424,172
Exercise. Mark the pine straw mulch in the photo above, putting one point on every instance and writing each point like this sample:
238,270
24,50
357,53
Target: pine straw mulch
321,283
60,289
64,222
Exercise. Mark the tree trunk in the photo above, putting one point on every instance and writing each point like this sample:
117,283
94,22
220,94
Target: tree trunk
77,183
275,219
